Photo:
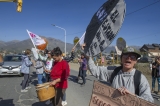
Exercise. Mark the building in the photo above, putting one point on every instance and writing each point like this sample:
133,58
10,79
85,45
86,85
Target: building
151,49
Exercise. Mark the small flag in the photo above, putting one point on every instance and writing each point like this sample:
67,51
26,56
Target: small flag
36,40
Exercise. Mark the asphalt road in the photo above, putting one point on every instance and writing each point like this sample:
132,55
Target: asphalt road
10,94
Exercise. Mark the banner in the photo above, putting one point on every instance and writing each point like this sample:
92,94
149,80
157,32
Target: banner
118,51
76,39
104,26
36,40
103,95
76,43
121,44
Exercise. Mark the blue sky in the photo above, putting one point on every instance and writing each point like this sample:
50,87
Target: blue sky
142,27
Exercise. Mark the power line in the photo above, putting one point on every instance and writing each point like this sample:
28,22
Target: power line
142,8
144,36
126,14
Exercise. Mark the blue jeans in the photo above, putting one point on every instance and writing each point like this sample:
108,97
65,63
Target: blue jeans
41,79
64,97
83,75
154,81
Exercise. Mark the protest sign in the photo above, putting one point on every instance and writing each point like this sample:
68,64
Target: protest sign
103,95
104,26
118,51
76,44
121,44
75,41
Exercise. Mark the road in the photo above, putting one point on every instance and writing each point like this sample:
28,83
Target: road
10,94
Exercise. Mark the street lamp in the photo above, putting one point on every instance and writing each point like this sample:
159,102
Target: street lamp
64,36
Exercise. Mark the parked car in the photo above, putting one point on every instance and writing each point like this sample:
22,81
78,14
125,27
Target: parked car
11,65
145,59
109,58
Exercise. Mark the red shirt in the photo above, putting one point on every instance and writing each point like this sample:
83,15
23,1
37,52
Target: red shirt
60,70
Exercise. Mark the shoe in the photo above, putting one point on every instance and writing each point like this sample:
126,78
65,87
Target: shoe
77,80
28,87
24,90
153,90
82,85
64,103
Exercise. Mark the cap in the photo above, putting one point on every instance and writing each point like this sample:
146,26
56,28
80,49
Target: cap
130,50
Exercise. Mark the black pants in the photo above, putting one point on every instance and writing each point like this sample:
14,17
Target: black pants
83,75
47,77
57,100
25,82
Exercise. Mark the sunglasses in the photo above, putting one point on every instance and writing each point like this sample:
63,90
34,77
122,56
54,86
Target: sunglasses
132,56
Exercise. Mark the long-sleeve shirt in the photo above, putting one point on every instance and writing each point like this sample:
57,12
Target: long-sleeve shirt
39,67
60,70
44,58
84,64
122,79
26,63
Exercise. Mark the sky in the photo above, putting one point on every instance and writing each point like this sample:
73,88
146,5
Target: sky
138,28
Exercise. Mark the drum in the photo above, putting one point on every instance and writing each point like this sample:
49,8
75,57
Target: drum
45,91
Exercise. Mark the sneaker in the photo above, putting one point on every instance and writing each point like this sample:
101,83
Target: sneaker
64,103
153,90
24,90
82,85
28,87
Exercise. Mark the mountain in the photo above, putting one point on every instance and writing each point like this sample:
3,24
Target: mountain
12,42
18,46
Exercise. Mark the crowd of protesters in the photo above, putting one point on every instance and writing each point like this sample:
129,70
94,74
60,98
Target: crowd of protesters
53,67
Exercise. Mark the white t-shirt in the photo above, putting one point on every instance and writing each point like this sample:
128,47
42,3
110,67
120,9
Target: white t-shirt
49,64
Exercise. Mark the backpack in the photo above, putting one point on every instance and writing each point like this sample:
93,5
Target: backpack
137,78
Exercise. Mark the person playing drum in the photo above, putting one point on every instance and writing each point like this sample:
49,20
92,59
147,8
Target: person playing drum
59,74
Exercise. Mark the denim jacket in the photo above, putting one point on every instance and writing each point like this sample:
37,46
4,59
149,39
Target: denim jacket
26,63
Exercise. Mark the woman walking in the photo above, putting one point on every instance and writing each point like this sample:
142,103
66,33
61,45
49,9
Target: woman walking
25,68
83,68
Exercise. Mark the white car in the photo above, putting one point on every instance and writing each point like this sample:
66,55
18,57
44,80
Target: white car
11,65
109,58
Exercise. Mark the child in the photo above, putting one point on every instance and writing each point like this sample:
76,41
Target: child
48,66
40,70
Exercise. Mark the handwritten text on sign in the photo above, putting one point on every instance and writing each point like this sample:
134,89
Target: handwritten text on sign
104,95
